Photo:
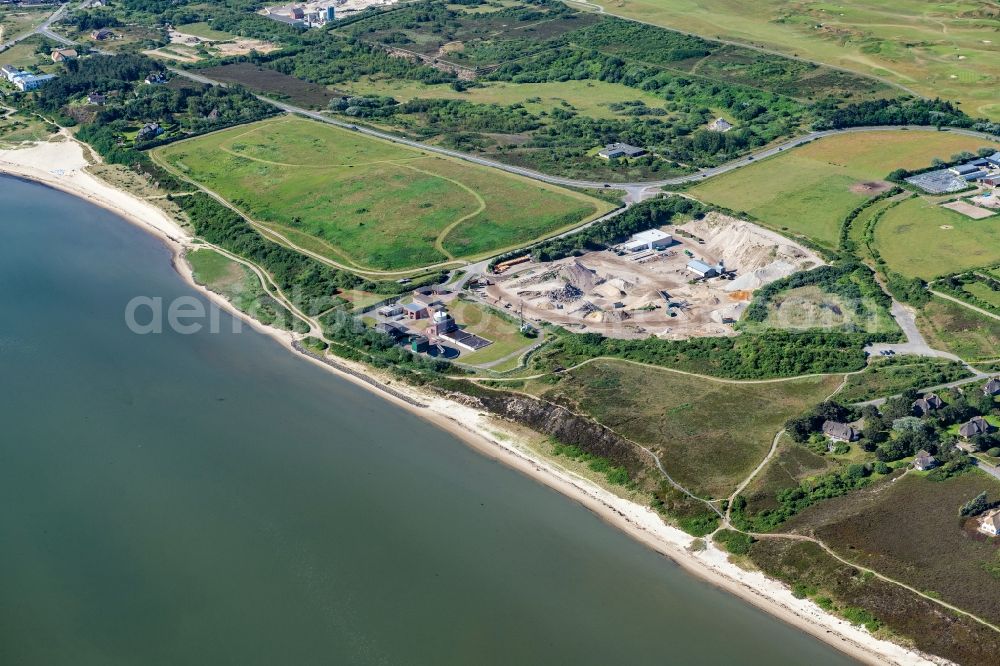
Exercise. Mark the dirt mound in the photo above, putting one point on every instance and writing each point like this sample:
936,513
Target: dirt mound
745,247
871,187
580,276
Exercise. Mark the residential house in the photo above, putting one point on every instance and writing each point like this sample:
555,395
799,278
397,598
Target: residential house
927,404
924,461
149,131
992,387
62,55
156,78
989,522
977,425
840,432
96,98
614,151
102,34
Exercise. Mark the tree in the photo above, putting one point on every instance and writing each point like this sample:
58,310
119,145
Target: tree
975,506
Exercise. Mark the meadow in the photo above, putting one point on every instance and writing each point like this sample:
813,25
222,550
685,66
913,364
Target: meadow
590,98
810,190
203,30
950,50
709,434
919,238
371,204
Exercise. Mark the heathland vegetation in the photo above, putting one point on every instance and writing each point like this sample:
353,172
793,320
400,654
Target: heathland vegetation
710,435
369,203
947,50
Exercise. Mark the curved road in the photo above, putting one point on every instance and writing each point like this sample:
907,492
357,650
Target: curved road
633,188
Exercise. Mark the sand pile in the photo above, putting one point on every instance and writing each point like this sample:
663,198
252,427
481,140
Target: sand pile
746,247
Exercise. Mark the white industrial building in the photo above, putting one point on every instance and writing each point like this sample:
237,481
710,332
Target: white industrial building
653,239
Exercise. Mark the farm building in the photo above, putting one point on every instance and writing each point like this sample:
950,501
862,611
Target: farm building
840,432
963,169
924,461
927,404
989,522
652,239
994,159
614,151
992,387
977,425
703,270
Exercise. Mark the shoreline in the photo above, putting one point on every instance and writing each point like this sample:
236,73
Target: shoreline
53,164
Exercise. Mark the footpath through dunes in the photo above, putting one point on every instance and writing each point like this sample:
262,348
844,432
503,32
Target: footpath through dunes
370,204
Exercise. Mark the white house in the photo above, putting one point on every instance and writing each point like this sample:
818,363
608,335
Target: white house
989,522
27,82
652,239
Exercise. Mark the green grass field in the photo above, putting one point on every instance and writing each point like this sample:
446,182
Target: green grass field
204,31
919,238
948,49
368,203
710,434
589,98
809,190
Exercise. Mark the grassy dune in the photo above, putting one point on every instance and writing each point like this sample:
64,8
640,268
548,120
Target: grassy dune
369,203
710,434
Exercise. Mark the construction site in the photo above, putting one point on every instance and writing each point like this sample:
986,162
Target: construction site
691,280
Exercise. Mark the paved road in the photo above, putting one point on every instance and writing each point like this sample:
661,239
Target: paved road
915,343
636,190
43,29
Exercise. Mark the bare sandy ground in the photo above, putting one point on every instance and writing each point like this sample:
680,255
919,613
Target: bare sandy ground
60,165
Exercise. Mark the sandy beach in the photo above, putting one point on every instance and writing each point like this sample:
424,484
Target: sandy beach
61,164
